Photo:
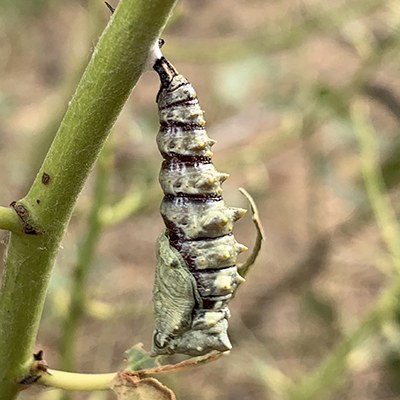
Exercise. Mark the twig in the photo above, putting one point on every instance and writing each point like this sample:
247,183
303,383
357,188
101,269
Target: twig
244,268
9,220
74,381
374,184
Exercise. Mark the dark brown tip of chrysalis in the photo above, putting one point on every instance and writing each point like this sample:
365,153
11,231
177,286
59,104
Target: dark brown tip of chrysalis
110,7
165,70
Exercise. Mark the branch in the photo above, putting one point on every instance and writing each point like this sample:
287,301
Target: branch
113,70
384,213
73,381
9,220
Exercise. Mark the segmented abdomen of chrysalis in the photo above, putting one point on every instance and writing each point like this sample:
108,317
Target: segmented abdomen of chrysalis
196,272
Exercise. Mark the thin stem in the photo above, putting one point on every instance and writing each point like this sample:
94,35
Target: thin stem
374,184
73,381
134,201
244,268
9,220
115,66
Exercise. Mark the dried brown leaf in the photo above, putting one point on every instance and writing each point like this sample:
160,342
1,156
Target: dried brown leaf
244,268
132,387
191,362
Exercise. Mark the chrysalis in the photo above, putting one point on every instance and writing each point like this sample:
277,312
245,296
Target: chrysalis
196,272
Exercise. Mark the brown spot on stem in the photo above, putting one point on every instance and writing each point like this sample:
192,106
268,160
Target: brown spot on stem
38,356
23,214
45,178
39,363
110,7
29,379
38,366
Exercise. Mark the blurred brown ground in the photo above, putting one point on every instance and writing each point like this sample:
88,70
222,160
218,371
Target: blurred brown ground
276,80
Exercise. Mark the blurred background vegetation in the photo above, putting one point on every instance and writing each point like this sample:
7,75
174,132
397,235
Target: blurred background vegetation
303,97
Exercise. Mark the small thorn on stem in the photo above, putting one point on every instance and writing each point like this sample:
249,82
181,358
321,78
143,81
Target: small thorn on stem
38,356
110,7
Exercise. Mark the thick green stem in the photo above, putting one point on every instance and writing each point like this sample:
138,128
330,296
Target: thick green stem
114,68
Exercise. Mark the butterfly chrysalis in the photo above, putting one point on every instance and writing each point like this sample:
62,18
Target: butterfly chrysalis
196,272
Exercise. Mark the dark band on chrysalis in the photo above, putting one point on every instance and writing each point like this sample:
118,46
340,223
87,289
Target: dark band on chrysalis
165,70
161,42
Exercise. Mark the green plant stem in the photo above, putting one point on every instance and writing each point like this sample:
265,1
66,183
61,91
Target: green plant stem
9,220
114,68
374,184
143,198
82,268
